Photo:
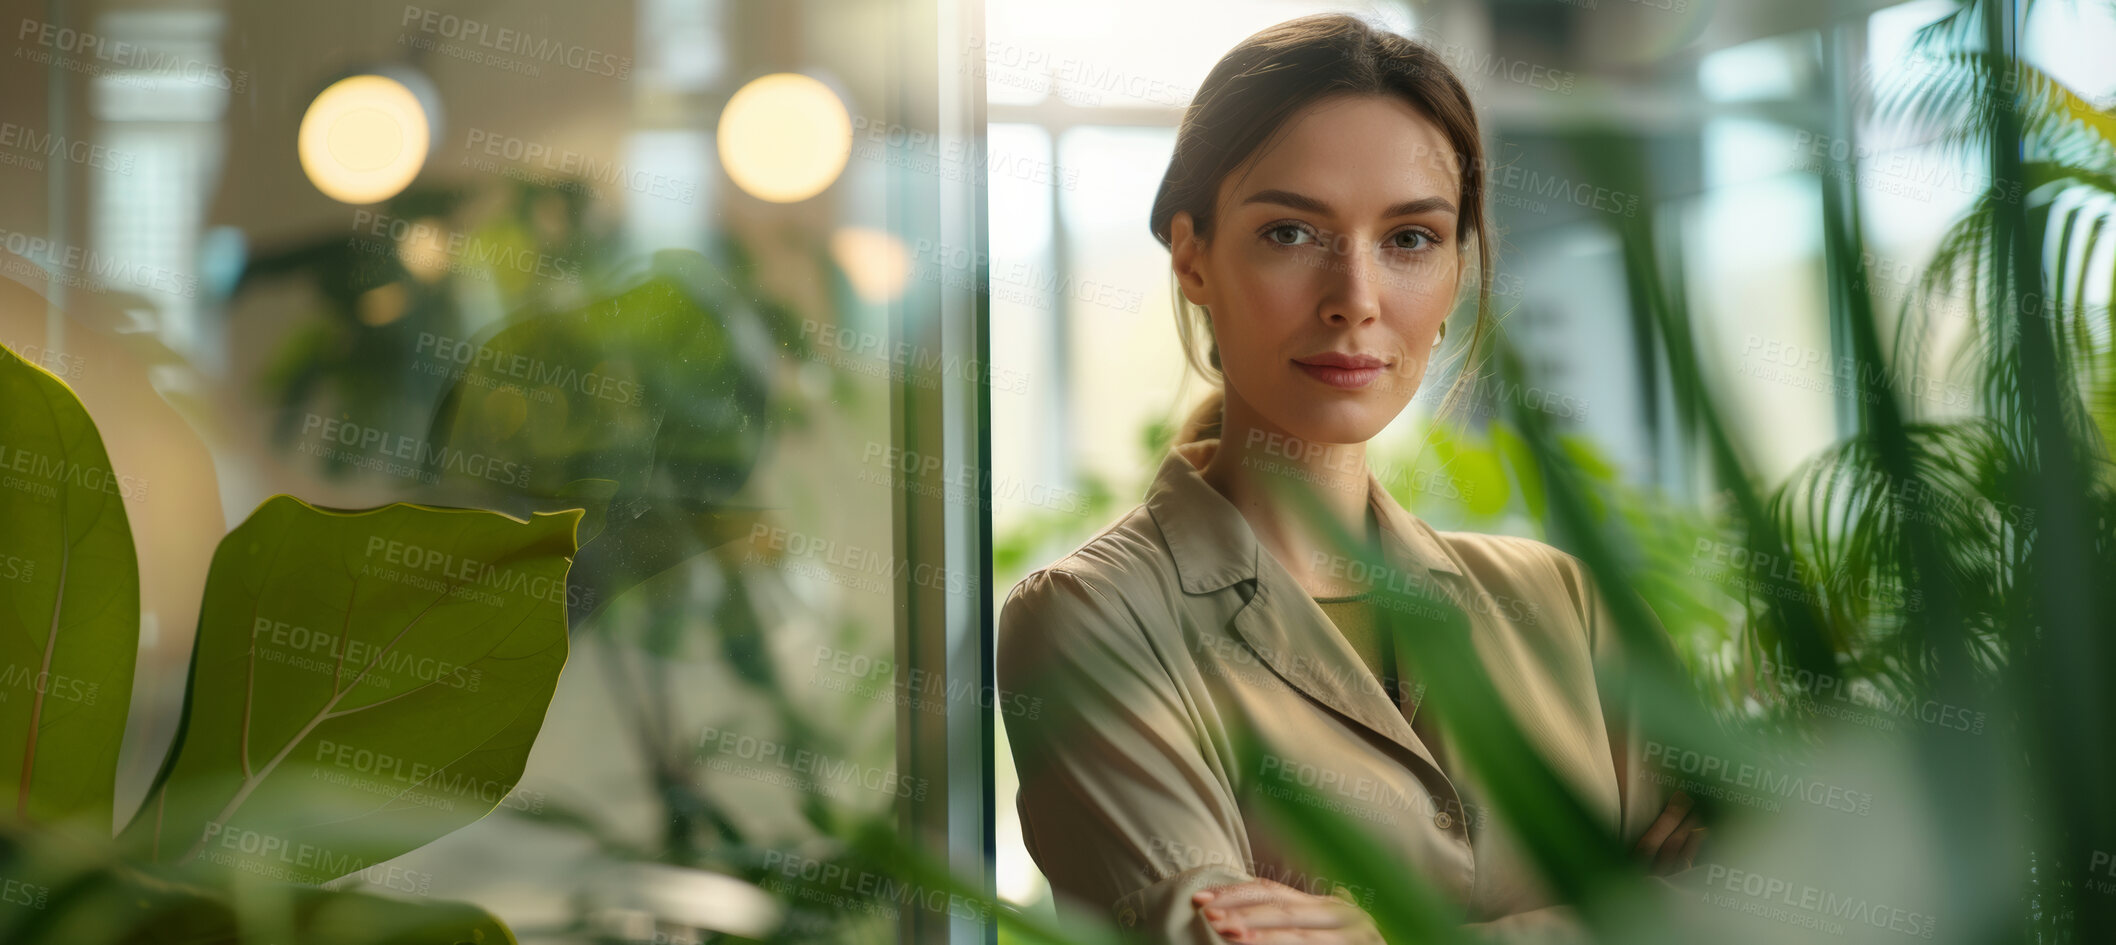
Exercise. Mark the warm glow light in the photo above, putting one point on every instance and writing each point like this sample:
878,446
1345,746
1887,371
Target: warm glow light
422,248
875,261
364,139
784,137
383,304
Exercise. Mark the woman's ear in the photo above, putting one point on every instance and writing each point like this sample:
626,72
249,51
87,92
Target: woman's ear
1187,256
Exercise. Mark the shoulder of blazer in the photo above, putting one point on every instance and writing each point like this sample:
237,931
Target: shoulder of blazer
1521,567
1128,559
1508,557
1126,568
1100,606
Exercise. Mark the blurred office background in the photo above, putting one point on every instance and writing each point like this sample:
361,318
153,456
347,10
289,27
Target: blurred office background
221,297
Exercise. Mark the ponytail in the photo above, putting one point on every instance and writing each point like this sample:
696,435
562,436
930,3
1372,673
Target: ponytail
1204,420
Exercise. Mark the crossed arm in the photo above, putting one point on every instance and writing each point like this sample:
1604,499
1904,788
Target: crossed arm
1269,913
1127,816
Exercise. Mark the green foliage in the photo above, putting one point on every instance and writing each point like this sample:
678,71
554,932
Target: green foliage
362,683
59,890
69,604
330,645
648,392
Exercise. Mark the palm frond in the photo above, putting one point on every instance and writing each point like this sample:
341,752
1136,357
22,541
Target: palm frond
1940,101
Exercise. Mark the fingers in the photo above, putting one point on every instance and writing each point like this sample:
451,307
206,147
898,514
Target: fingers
1264,911
1310,937
1669,858
1671,817
1283,914
1214,902
1692,847
1232,894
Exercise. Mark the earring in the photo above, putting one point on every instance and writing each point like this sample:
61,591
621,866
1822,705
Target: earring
1441,335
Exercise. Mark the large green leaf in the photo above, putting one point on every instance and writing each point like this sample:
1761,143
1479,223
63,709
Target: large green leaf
63,891
69,603
363,683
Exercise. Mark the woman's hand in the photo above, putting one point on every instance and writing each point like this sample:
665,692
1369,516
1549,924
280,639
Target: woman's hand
1264,911
1267,912
1671,844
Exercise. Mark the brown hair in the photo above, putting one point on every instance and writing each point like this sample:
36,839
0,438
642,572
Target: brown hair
1244,104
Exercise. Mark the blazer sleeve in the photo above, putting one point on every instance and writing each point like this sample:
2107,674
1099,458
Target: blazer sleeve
1644,790
1119,804
1641,795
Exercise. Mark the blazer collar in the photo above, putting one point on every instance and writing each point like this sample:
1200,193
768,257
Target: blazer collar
1213,545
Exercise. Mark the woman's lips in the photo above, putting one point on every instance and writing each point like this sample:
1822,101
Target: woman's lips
1341,378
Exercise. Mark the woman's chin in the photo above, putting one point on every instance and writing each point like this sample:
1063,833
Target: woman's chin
1344,426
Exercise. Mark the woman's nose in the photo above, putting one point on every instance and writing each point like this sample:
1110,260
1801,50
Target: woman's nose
1353,295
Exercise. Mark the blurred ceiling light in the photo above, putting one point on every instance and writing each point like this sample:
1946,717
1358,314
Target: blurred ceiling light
875,261
784,137
364,139
383,304
422,248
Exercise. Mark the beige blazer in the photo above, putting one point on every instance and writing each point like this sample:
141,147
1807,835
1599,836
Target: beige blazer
1144,648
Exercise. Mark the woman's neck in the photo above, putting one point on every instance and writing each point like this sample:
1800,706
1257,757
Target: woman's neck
1254,467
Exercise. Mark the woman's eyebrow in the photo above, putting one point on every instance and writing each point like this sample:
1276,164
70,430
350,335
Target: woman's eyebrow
1297,201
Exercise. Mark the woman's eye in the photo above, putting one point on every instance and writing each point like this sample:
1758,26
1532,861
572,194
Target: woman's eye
1422,239
1295,234
1273,234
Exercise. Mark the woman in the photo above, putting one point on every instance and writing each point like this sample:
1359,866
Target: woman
1325,189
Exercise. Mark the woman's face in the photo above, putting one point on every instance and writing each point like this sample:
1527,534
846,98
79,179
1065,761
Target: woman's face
1340,239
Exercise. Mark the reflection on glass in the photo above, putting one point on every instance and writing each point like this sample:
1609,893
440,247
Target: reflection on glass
497,401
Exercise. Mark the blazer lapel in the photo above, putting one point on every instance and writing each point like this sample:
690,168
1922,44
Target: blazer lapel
1214,548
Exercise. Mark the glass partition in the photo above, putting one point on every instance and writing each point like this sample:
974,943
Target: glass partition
548,440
